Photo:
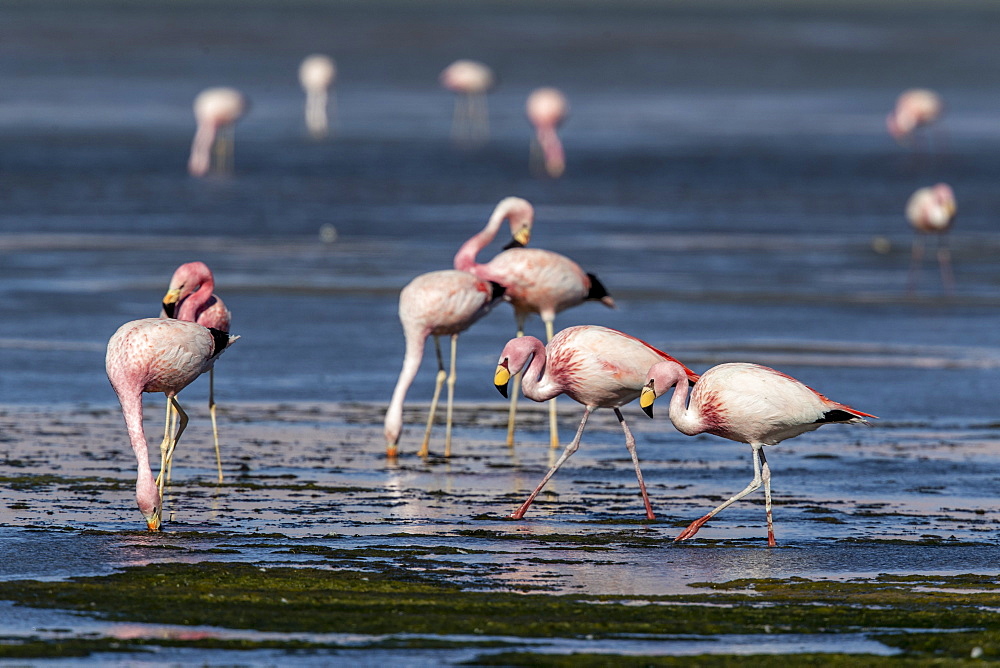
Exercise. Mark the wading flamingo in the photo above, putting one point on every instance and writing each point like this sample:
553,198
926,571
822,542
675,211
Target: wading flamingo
535,281
190,297
216,110
747,403
158,355
914,108
546,109
438,303
595,366
470,80
317,74
931,210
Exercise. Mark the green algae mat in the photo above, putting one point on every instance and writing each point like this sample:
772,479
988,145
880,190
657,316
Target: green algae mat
930,620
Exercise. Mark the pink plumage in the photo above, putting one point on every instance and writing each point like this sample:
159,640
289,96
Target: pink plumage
595,366
157,355
748,403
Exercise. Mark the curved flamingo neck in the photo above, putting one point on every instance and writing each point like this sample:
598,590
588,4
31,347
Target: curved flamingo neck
146,493
536,385
411,364
465,258
195,302
681,414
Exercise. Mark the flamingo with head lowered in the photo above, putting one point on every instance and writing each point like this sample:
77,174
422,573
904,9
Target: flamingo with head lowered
158,355
536,281
595,366
191,297
748,403
446,303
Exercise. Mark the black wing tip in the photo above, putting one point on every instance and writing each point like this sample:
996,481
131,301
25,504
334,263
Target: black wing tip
838,415
597,289
220,339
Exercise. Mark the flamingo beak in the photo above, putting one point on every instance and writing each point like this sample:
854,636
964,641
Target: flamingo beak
647,398
501,378
153,523
523,236
170,301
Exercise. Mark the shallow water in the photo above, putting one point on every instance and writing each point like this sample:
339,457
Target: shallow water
729,179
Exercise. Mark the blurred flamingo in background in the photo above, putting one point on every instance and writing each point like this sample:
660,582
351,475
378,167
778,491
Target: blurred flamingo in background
547,109
470,80
216,111
595,366
190,297
915,108
158,355
931,210
535,281
317,74
747,403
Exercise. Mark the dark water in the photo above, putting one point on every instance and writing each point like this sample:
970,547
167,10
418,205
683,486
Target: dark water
729,179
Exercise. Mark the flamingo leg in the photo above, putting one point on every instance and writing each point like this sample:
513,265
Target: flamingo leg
765,474
215,427
916,259
438,382
451,395
570,449
630,444
553,414
164,446
944,262
692,528
516,388
169,454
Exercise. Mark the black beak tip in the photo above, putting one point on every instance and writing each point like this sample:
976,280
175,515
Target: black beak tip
502,389
648,410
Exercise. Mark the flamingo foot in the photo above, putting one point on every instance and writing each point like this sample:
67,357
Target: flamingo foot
770,539
692,528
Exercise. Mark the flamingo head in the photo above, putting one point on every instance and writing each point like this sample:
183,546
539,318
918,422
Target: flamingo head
945,197
147,496
660,378
515,356
187,278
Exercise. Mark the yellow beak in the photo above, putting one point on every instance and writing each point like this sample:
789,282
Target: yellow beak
501,378
646,400
523,236
172,296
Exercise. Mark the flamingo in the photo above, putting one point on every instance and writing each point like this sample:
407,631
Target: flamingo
535,281
931,210
317,74
470,80
546,109
216,110
914,108
190,297
438,303
158,355
595,366
748,403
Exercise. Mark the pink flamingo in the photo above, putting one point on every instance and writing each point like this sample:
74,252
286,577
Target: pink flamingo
932,210
446,303
747,403
914,108
470,80
190,297
595,366
546,109
158,355
316,74
535,281
438,303
216,110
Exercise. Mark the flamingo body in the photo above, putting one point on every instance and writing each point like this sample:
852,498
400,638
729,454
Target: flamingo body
470,80
931,210
747,403
914,108
438,303
215,110
157,355
596,366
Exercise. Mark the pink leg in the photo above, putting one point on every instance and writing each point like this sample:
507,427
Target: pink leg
765,474
630,444
754,485
570,449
